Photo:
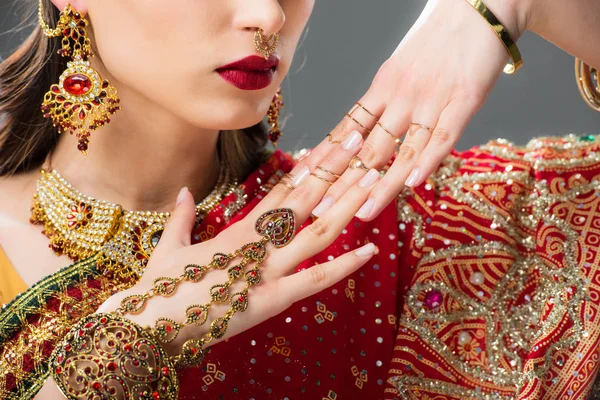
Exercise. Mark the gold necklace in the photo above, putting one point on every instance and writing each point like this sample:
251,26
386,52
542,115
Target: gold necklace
80,226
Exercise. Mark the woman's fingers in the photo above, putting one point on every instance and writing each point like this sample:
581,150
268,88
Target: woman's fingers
280,191
312,280
310,185
178,229
359,118
439,143
453,121
378,148
415,141
323,231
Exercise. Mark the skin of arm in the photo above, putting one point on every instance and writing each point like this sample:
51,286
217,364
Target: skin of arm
571,25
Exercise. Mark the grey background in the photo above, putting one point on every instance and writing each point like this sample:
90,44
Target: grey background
347,40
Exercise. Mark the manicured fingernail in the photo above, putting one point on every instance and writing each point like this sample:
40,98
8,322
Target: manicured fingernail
367,250
369,179
413,177
323,206
353,140
181,195
366,208
300,176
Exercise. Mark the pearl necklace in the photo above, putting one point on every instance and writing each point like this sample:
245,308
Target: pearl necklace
80,226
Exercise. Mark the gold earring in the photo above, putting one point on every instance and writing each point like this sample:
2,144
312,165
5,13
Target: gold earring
273,117
588,83
82,101
265,45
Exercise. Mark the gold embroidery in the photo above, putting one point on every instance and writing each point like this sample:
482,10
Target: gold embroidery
528,325
42,315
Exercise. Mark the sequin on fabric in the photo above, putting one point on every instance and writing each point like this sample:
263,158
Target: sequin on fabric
486,286
527,222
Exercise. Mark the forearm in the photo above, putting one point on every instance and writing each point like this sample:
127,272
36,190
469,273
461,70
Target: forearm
571,25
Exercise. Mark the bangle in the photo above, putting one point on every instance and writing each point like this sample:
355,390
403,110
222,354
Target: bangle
503,35
105,354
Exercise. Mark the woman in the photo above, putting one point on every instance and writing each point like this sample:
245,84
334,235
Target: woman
483,288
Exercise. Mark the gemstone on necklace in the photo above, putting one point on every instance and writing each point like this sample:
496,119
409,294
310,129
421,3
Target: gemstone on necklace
83,226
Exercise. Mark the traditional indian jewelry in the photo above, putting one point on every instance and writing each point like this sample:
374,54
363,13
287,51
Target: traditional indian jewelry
503,35
350,113
107,353
328,171
80,226
273,117
394,138
356,162
104,354
82,101
588,83
413,127
316,175
265,45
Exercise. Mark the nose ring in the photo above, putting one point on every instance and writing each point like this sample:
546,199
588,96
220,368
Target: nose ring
265,45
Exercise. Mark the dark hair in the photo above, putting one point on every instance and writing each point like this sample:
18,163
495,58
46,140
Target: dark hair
26,137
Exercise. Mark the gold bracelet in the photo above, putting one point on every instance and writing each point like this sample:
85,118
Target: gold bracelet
107,354
503,35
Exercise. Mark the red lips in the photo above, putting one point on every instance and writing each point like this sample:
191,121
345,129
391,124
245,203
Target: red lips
250,73
253,63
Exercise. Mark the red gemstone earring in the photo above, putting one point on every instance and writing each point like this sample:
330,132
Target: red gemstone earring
273,117
82,101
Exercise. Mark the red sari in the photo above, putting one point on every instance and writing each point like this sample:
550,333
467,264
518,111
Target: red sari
486,286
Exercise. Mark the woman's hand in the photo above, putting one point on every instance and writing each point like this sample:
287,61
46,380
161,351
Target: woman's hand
431,86
280,285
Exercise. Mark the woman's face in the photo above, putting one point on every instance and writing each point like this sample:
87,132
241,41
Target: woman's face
169,52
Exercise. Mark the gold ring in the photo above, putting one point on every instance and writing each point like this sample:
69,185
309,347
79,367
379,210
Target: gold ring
287,184
413,127
358,123
322,178
357,105
331,140
284,181
328,171
356,162
395,139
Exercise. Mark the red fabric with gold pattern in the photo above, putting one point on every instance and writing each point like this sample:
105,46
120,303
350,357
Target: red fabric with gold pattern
504,296
485,287
494,276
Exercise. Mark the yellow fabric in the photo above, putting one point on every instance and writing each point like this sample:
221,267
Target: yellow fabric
11,283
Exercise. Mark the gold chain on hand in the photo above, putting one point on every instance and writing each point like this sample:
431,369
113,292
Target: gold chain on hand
108,355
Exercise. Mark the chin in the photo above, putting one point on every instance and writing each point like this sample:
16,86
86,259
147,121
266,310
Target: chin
228,117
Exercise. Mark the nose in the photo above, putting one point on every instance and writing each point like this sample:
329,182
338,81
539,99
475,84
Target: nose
262,14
